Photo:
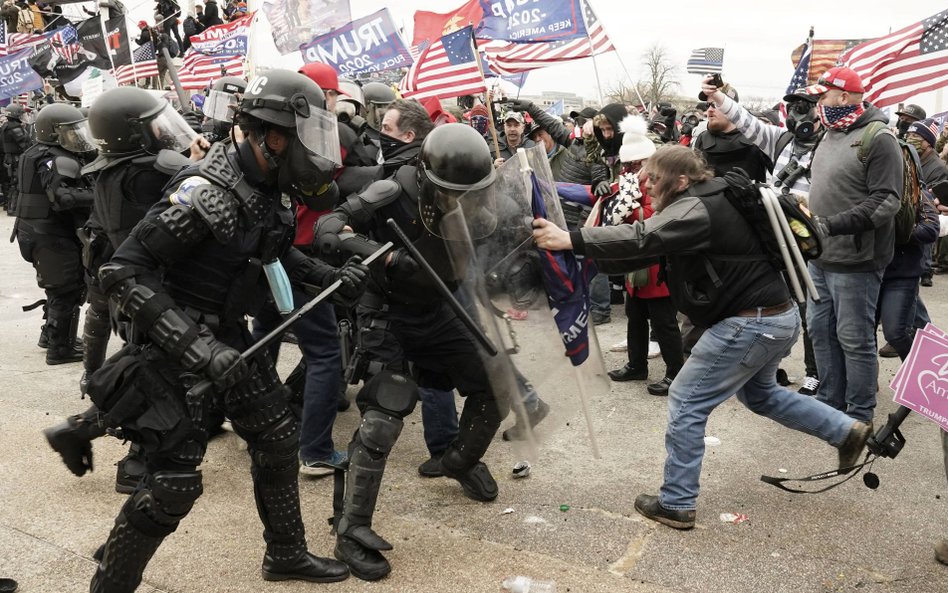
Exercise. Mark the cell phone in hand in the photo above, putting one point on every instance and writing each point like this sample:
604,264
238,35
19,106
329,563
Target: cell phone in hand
940,190
716,80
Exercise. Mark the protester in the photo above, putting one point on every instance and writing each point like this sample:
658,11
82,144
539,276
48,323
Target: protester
750,319
210,14
907,116
513,137
647,298
854,205
791,151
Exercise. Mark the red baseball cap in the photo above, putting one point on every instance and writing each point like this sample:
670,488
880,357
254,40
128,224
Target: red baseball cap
322,74
839,77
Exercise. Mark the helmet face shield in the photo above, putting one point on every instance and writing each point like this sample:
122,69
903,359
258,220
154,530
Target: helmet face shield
220,106
457,215
76,137
167,130
318,131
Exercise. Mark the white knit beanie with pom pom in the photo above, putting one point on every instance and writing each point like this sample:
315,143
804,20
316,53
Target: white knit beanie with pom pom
636,146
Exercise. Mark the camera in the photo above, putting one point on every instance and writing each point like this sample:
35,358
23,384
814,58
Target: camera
668,111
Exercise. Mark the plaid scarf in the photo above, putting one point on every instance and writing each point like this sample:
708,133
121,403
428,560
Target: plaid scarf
840,117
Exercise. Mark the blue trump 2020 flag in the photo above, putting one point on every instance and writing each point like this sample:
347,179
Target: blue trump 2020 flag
532,22
564,278
16,75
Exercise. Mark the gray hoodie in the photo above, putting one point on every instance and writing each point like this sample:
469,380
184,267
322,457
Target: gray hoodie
856,201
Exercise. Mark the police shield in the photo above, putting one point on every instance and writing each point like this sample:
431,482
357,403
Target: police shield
532,304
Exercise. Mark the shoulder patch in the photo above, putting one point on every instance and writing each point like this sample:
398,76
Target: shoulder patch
185,192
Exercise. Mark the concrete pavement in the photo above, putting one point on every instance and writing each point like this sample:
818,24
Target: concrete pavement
849,539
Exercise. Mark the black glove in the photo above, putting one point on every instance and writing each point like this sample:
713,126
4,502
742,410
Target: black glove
226,368
520,104
602,189
353,276
739,179
402,264
194,119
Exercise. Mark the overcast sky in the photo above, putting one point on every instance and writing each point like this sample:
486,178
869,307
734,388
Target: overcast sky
758,36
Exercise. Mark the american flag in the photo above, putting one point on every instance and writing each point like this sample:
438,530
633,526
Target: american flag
706,60
14,42
447,68
143,65
511,58
824,54
801,74
900,65
199,70
65,42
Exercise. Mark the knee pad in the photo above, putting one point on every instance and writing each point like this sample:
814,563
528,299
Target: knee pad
166,498
391,392
256,404
379,431
275,451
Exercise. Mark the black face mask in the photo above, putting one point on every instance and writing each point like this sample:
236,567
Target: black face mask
903,127
389,145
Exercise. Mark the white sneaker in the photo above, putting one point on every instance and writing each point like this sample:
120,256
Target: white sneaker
653,350
620,347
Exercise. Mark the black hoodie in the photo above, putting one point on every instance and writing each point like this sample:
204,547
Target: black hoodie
615,113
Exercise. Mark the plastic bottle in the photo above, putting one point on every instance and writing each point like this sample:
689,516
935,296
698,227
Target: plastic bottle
522,584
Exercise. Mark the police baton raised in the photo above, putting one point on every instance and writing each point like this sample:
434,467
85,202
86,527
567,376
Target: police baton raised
458,309
195,395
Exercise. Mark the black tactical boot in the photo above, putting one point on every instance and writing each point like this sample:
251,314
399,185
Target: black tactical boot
73,439
62,347
304,568
129,470
364,562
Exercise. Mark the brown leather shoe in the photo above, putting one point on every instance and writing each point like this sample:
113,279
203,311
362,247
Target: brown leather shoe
648,506
851,448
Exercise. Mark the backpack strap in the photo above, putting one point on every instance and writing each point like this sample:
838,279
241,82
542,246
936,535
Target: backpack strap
785,139
872,129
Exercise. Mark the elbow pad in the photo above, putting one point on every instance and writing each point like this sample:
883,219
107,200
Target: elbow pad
156,314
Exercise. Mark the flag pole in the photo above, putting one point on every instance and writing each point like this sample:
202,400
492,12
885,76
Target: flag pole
625,70
490,109
592,50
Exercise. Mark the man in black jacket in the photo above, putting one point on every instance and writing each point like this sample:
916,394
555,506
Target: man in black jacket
742,301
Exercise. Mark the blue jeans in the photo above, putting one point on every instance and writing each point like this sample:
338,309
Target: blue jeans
921,313
736,355
843,329
599,298
439,418
897,300
319,343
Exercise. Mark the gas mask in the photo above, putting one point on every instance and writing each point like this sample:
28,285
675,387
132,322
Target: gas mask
801,119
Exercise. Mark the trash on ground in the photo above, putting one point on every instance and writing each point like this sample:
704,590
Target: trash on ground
521,469
735,518
712,441
507,511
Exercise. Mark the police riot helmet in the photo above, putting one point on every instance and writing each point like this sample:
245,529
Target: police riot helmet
455,179
352,93
378,93
49,117
61,124
127,119
223,97
15,112
296,106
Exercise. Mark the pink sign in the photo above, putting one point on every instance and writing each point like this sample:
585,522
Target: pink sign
921,383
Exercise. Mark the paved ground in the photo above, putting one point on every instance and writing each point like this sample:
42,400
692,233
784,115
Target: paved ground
850,539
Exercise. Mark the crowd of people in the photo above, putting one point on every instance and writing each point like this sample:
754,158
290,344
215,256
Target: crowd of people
200,231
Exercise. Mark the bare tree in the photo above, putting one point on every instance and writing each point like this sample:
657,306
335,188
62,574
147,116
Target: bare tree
661,76
622,91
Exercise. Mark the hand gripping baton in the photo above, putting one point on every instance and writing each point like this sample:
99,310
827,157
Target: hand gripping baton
195,395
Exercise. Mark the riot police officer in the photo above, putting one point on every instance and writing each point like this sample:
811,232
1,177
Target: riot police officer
15,137
55,201
402,320
187,277
219,107
133,166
